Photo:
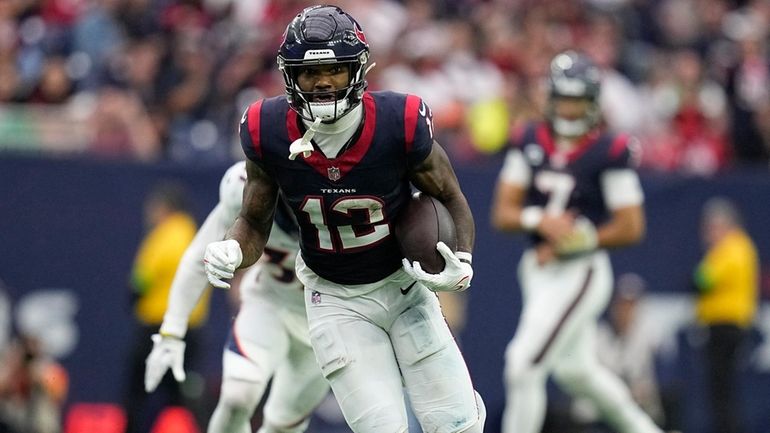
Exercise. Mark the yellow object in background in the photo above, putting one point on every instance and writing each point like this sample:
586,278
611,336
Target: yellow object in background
155,265
488,125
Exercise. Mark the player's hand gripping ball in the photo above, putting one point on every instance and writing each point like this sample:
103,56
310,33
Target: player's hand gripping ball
422,224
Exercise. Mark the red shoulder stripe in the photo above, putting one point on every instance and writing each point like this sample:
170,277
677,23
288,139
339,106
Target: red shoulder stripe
618,145
255,111
292,125
545,138
410,119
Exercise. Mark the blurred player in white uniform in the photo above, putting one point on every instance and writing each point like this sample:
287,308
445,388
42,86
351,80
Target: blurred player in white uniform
573,187
269,337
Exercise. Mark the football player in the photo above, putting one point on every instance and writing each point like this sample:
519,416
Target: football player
343,158
572,186
269,337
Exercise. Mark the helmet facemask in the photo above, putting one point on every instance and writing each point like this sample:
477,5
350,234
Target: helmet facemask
312,104
573,126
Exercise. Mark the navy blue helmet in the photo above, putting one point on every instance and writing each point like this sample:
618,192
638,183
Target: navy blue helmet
321,35
574,75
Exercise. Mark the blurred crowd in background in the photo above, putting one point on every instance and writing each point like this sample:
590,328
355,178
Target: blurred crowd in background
168,79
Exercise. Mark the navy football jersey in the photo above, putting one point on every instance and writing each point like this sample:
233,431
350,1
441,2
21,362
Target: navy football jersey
344,206
571,180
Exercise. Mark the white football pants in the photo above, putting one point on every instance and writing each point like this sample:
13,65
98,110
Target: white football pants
370,345
268,343
556,334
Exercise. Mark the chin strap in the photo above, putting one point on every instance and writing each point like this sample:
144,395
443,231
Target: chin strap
303,144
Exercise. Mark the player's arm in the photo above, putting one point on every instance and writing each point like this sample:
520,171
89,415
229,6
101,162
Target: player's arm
624,199
190,282
190,278
186,289
252,227
625,227
246,239
507,206
509,211
510,193
436,177
623,195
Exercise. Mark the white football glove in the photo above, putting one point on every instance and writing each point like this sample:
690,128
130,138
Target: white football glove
455,277
167,352
582,238
221,260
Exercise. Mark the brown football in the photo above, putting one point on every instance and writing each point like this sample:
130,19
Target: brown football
422,223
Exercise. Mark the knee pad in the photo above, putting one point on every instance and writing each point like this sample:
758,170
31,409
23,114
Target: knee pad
329,348
269,428
418,334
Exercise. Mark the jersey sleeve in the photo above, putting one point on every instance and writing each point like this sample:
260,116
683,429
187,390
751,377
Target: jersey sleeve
250,129
516,170
620,181
418,130
621,188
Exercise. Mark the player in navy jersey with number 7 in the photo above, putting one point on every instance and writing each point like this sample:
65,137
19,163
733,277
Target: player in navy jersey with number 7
573,187
343,159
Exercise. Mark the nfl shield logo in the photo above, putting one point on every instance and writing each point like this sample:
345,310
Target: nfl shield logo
333,173
315,298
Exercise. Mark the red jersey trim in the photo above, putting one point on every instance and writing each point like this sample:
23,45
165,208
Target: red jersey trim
618,145
351,156
255,111
410,120
584,144
292,125
545,137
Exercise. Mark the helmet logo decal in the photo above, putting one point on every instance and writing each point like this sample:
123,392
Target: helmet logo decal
359,34
350,38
